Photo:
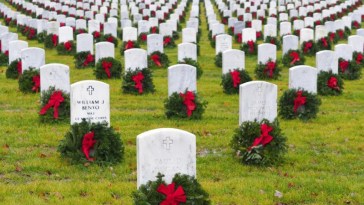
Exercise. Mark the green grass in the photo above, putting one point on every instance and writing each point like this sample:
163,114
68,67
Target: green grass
324,164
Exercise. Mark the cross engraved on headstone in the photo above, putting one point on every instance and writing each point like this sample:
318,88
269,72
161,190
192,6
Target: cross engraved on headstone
90,89
167,142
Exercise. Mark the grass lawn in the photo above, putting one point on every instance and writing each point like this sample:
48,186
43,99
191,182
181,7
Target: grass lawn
324,165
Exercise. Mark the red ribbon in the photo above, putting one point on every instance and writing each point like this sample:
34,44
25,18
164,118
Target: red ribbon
96,34
138,81
270,68
19,67
264,137
154,29
295,57
272,41
62,24
173,197
248,24
107,66
110,39
54,101
251,46
258,34
54,39
299,101
318,23
89,59
156,59
235,75
143,37
239,37
340,33
129,44
80,31
167,41
324,42
332,83
308,46
332,36
88,143
68,46
36,83
356,24
6,53
359,58
343,65
188,101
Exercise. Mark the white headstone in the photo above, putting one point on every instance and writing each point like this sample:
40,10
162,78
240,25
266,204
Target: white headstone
135,58
155,43
290,42
357,42
85,42
65,34
303,77
266,52
15,48
327,61
55,75
130,34
180,78
223,43
32,57
187,50
249,34
233,59
344,51
104,50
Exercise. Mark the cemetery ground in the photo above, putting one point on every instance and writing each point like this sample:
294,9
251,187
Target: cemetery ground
324,163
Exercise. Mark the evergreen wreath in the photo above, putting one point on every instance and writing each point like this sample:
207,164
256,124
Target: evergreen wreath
51,41
55,106
158,60
66,48
29,81
154,29
152,192
231,81
128,45
238,37
185,105
341,34
84,59
297,32
168,42
259,143
308,48
333,37
273,40
298,104
142,38
111,39
194,63
108,68
358,58
4,58
100,142
347,31
80,31
14,69
293,58
323,44
329,83
355,24
41,37
97,36
269,70
349,70
259,35
139,81
31,34
175,35
218,60
249,48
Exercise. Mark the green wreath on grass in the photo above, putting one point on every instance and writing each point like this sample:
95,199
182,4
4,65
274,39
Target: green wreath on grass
218,60
269,70
80,31
128,45
259,143
298,104
194,63
308,48
333,37
142,38
158,60
323,44
293,58
111,39
107,68
92,142
185,189
41,37
139,81
84,59
329,83
4,58
349,70
273,40
51,41
358,58
249,48
168,42
66,48
185,105
29,81
55,106
231,81
14,69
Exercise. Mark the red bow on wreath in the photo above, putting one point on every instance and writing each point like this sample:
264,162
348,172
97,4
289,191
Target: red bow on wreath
356,24
89,59
188,101
107,66
270,68
96,34
19,67
235,75
68,46
340,33
332,83
251,46
324,42
295,57
154,29
332,36
6,53
54,101
54,39
173,197
138,81
308,46
343,65
62,24
143,37
129,44
359,58
36,83
258,34
299,101
264,137
156,59
110,39
239,37
88,143
167,41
